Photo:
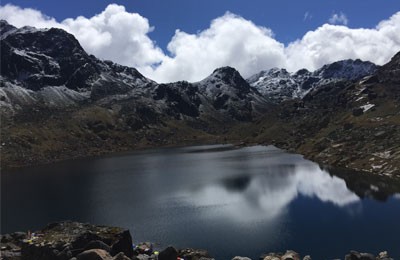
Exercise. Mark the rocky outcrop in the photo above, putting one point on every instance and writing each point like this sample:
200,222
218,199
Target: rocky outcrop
64,240
194,254
353,255
80,241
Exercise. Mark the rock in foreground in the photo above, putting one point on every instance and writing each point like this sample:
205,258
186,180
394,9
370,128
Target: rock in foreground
79,241
65,240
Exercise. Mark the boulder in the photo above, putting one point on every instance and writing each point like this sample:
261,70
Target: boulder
271,256
193,254
64,240
121,256
19,235
354,255
307,257
358,111
169,253
145,257
241,258
144,248
123,243
97,244
94,254
5,238
384,256
290,255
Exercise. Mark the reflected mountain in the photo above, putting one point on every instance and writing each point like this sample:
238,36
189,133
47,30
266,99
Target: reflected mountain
237,184
367,185
245,200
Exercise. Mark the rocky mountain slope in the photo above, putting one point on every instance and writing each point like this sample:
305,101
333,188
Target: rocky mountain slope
58,102
278,85
49,68
349,124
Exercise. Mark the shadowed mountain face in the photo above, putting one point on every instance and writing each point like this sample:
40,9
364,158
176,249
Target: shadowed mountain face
52,90
390,72
38,65
34,59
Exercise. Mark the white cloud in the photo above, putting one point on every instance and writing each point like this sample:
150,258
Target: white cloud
22,17
330,43
113,34
340,18
230,40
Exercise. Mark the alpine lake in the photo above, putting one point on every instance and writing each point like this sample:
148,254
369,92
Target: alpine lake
225,199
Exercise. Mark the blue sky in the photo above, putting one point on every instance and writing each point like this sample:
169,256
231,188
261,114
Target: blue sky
284,17
187,39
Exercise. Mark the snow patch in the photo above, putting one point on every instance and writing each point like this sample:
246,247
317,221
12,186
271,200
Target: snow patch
367,107
383,155
376,166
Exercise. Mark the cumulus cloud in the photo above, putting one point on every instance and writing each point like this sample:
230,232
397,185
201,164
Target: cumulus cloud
330,43
340,18
113,34
230,40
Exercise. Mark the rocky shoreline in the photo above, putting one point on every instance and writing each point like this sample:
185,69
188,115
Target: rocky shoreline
82,241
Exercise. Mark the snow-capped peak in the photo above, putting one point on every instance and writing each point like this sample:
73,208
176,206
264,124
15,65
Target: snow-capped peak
346,69
278,84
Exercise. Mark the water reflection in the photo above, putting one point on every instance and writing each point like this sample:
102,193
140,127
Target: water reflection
243,201
267,195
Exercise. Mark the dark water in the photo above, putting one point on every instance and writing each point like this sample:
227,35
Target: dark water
230,201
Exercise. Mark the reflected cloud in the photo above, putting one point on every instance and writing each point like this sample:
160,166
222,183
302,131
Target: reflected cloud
314,182
265,196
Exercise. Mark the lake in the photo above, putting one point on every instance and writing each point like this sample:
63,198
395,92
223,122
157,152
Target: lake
228,200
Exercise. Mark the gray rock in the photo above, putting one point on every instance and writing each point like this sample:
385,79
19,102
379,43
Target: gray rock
307,257
121,256
358,111
384,256
194,254
71,238
97,244
5,238
123,244
141,257
241,258
144,248
65,254
19,235
270,256
354,255
290,255
94,254
169,253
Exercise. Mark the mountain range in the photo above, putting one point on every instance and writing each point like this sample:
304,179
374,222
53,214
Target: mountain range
59,102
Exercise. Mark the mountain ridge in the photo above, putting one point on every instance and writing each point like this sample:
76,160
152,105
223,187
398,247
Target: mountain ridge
58,102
